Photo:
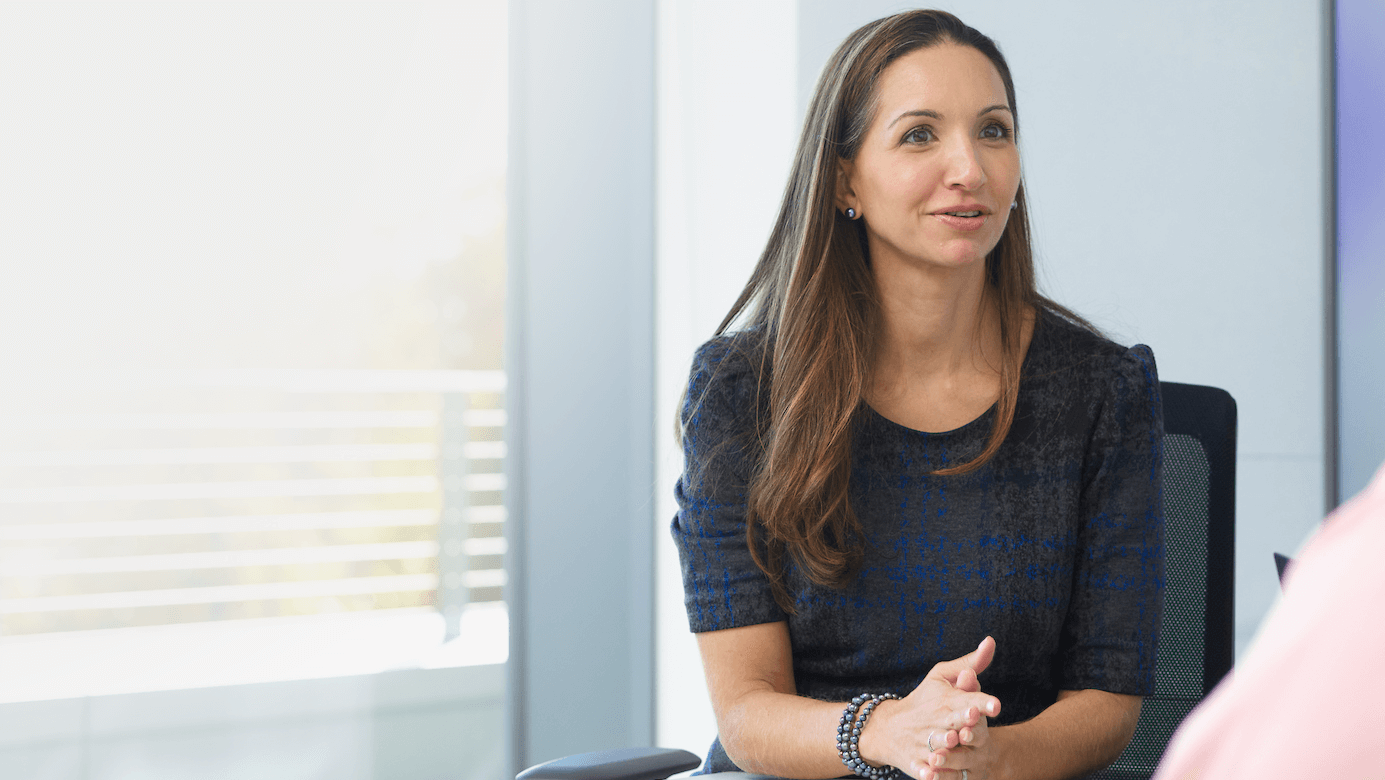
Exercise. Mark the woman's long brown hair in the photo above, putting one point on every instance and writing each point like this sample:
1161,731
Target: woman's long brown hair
810,313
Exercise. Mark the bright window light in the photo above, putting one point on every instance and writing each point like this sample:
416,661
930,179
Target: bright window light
251,318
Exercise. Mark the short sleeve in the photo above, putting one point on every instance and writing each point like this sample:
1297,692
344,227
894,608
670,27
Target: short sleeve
722,586
1110,635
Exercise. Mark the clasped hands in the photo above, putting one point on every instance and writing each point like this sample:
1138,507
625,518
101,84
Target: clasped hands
948,710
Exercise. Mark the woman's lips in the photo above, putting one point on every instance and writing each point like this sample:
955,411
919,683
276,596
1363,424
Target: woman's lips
962,223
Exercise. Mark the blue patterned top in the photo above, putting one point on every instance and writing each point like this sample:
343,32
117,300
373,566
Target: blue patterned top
1054,547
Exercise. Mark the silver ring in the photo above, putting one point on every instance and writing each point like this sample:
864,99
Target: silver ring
964,774
931,749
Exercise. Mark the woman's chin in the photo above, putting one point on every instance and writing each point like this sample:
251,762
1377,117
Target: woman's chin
962,253
953,253
958,260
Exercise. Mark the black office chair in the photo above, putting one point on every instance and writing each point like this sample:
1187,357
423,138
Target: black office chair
1196,643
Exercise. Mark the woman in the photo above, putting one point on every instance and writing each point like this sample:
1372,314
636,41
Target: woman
908,473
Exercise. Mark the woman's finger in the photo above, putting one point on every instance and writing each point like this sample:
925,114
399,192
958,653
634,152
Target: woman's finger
977,660
930,773
974,736
987,706
967,681
968,716
919,768
974,708
953,760
958,701
924,772
942,740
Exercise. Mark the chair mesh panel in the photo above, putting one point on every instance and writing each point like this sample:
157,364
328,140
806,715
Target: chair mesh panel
1186,473
1178,683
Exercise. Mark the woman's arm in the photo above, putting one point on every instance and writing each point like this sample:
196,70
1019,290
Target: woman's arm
766,728
1080,733
1110,632
763,726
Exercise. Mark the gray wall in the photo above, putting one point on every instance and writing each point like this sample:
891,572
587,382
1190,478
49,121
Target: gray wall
580,358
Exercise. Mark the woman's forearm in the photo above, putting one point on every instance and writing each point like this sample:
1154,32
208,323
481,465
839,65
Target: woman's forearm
1081,732
766,728
768,732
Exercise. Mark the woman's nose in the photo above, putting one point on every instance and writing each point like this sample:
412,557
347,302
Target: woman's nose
964,166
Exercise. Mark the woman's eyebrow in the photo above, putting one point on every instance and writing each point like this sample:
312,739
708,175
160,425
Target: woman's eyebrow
939,117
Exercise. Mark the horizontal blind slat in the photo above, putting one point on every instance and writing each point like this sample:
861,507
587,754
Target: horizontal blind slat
216,447
378,518
222,559
222,593
276,488
206,455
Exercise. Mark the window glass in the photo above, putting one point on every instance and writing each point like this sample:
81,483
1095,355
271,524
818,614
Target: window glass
251,316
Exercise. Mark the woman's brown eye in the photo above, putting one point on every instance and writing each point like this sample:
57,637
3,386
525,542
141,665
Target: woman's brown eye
995,131
919,135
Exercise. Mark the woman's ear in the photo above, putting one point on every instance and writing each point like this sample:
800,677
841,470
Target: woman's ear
846,196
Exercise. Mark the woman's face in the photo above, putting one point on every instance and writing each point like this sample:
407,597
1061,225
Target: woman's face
938,167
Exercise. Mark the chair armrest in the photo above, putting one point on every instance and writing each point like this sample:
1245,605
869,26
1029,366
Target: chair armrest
623,764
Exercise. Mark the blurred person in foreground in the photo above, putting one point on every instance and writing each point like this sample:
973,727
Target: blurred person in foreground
1313,670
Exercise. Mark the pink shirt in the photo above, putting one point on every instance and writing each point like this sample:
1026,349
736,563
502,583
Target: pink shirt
1308,697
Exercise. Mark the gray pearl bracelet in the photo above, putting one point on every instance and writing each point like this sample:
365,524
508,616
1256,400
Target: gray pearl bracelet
854,719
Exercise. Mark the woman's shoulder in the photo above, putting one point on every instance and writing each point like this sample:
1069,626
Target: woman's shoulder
1061,345
1100,392
728,359
725,373
730,351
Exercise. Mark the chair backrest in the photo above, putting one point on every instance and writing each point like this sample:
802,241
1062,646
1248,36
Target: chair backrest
1197,640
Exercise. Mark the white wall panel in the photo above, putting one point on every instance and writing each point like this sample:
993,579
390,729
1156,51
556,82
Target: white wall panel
726,134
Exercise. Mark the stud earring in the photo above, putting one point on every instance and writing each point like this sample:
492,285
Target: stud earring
1014,204
851,213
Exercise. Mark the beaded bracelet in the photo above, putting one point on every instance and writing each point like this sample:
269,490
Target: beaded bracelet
849,735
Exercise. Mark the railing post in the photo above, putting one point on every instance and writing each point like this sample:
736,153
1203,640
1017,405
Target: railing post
452,531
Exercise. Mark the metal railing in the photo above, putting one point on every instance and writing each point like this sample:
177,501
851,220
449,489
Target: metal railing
182,496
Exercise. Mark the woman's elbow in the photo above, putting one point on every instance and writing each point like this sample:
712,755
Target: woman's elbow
737,738
1123,729
1107,719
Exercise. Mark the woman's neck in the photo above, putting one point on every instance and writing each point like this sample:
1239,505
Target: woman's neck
934,323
